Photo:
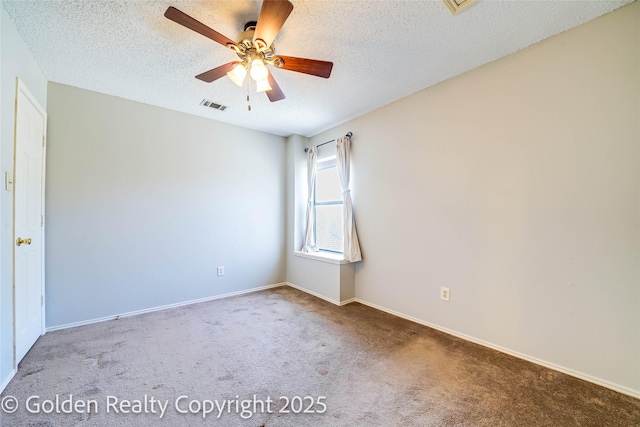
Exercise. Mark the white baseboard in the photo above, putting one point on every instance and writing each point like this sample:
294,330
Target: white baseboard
315,294
163,307
7,380
589,378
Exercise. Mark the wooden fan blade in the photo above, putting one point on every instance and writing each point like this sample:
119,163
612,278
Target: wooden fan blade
216,73
275,94
307,66
185,20
272,16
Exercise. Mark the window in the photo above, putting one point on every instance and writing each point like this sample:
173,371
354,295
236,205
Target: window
328,201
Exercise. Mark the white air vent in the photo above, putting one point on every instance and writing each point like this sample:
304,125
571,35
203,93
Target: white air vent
456,6
211,104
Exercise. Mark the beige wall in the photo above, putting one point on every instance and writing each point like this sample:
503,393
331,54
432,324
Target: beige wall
144,203
517,186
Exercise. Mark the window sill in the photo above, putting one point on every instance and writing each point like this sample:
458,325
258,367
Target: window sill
323,256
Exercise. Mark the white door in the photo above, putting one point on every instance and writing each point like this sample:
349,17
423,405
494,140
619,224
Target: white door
28,221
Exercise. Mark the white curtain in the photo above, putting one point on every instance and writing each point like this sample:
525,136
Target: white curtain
310,233
343,158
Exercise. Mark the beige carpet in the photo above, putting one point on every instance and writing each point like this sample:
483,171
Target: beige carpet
373,370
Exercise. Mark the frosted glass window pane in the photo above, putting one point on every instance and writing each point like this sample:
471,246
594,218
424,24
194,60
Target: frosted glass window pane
328,188
329,227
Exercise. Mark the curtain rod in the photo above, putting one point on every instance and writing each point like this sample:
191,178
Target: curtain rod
349,134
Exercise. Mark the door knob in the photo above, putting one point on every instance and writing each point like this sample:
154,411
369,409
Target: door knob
26,241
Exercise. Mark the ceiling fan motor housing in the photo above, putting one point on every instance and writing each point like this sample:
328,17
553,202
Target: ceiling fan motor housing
248,50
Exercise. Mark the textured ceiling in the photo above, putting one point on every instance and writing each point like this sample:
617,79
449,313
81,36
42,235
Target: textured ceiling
382,51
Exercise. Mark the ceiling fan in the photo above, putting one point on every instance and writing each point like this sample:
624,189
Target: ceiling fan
255,48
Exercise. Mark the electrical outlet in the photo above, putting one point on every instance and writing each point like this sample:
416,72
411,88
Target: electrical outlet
220,271
444,294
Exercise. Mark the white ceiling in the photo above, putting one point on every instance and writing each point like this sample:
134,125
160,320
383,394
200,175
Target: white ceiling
382,51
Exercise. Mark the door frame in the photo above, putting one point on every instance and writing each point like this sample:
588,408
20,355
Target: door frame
21,88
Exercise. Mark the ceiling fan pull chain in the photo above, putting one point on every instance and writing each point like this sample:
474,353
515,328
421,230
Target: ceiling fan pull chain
248,89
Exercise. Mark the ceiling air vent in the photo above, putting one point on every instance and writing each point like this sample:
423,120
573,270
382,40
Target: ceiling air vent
456,6
211,104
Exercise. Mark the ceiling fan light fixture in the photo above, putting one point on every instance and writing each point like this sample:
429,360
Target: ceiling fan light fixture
258,70
263,86
237,74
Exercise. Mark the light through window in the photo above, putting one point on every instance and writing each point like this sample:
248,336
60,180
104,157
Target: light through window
328,206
